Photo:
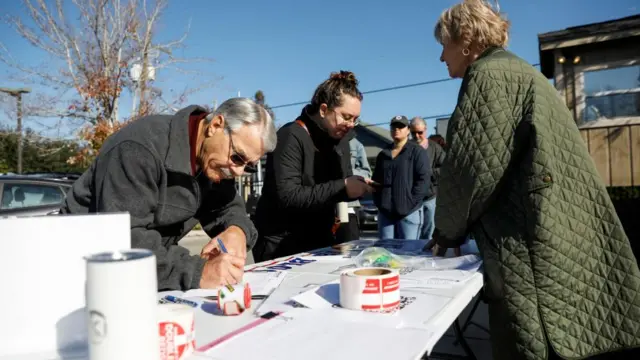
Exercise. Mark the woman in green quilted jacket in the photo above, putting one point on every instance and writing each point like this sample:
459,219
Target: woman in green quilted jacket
560,277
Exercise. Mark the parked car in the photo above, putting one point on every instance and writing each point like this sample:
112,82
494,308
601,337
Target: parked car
367,212
26,195
55,175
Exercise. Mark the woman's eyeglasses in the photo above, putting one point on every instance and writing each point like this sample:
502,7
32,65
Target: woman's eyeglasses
354,121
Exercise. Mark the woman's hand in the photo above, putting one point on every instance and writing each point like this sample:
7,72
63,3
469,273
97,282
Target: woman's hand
437,249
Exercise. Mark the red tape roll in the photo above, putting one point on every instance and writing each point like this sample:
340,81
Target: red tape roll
370,289
234,300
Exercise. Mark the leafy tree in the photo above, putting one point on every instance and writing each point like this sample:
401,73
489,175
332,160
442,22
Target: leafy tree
40,154
110,47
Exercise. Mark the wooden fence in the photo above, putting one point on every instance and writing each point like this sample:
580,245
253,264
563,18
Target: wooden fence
616,153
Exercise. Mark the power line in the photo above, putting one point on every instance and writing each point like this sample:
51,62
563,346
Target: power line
423,117
376,91
391,88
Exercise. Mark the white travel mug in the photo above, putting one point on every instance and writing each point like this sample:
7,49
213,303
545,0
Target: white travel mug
343,212
122,305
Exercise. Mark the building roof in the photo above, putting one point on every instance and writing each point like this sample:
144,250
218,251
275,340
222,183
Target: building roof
582,35
382,133
607,122
373,138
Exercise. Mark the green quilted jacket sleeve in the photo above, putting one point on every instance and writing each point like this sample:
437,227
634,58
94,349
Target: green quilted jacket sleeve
480,137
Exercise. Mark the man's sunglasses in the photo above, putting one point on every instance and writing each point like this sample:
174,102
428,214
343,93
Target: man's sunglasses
239,159
417,132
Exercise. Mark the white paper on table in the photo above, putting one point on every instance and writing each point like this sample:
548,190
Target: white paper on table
466,262
471,267
293,334
294,284
261,283
328,295
324,296
339,270
48,313
430,279
418,308
304,264
53,355
326,258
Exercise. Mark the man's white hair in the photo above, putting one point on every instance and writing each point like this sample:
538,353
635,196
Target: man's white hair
418,121
238,112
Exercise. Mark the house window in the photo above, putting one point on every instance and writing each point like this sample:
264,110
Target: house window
612,93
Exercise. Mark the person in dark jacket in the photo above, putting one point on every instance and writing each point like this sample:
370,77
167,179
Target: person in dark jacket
309,173
403,172
170,172
436,156
440,140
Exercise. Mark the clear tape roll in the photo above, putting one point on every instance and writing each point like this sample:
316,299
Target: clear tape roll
176,328
234,299
370,289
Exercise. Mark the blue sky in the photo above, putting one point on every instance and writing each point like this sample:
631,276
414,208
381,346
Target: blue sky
287,47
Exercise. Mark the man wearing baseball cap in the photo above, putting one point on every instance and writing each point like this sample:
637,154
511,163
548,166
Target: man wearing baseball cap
403,171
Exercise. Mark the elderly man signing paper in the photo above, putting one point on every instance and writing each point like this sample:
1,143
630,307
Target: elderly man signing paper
170,172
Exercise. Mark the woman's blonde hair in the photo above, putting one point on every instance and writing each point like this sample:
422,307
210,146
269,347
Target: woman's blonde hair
473,22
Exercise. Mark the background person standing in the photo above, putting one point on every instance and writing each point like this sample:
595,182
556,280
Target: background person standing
436,156
360,167
403,172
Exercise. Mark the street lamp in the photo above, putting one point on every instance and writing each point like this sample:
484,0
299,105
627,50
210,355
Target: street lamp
17,93
136,73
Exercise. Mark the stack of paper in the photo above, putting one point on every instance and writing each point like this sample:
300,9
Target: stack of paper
309,304
312,335
296,283
262,284
466,262
426,279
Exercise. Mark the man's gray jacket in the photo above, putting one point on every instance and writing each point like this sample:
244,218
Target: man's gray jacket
145,169
436,156
359,163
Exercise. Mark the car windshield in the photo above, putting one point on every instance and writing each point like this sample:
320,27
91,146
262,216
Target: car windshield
23,195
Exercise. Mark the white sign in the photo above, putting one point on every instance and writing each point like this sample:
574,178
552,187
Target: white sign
43,278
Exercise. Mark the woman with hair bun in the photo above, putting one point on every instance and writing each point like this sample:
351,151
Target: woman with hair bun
309,173
561,279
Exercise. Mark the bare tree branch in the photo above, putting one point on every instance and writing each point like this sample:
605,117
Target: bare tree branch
90,60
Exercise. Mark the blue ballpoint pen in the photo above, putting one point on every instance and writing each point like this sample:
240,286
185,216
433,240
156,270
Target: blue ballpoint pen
224,250
221,245
177,300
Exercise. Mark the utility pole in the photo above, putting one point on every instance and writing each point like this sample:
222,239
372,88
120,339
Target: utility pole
17,93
